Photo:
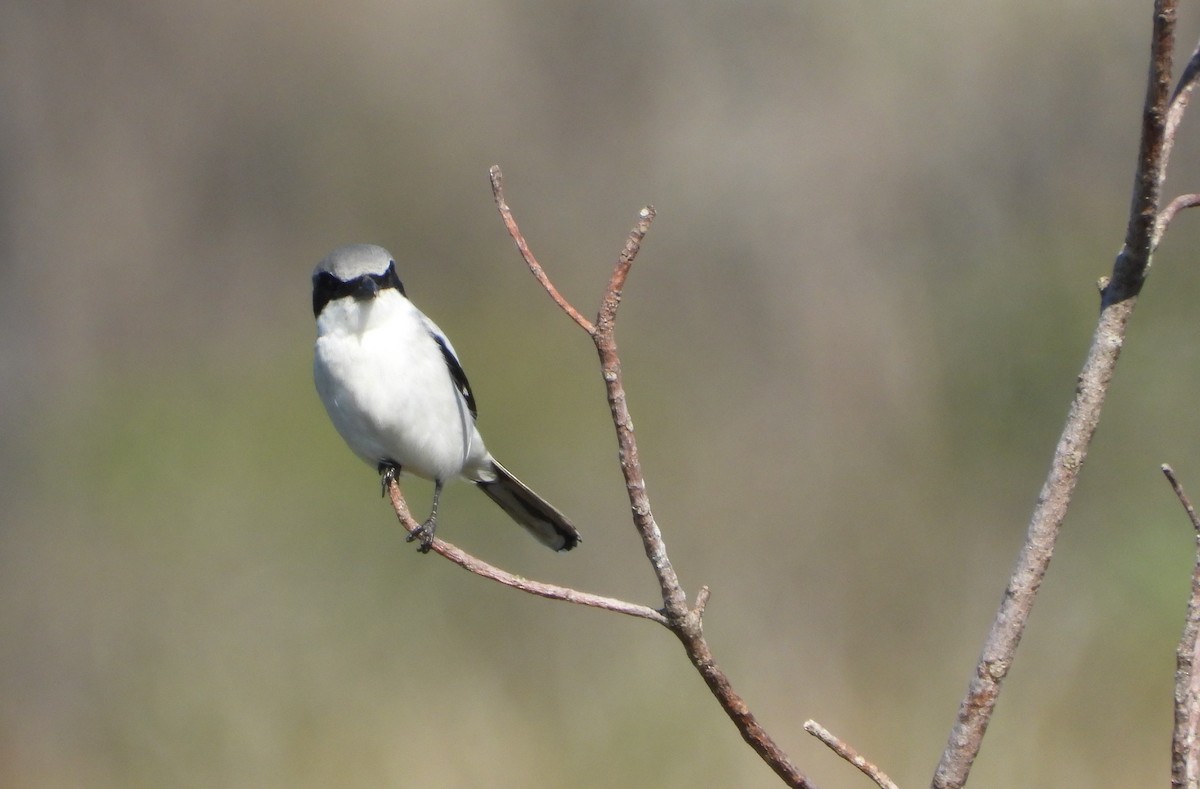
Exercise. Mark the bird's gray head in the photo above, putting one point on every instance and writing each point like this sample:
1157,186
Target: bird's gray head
358,271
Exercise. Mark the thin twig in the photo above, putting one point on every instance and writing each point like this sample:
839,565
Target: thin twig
1180,97
1169,473
498,193
1175,109
1185,742
485,570
849,754
1174,207
1117,303
616,283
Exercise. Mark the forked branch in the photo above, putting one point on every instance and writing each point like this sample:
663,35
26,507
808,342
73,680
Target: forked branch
684,621
676,615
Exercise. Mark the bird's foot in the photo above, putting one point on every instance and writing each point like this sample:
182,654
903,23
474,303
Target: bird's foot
423,533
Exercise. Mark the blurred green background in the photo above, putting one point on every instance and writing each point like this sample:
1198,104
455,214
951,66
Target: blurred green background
850,342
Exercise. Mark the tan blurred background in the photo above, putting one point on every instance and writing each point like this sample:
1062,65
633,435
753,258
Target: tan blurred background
850,341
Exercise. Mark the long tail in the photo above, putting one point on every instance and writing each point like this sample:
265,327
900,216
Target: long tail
530,510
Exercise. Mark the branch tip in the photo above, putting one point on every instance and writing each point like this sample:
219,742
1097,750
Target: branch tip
535,268
701,600
1177,486
616,283
844,750
1167,215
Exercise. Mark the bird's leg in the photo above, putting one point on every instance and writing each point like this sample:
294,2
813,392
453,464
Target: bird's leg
425,531
389,472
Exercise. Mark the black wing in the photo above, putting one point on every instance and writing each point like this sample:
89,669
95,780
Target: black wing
456,372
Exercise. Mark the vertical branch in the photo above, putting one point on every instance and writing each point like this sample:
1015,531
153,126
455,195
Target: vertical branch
686,623
1133,263
674,600
1185,744
1117,303
975,712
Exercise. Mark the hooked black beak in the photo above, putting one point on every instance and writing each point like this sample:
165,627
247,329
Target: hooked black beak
365,288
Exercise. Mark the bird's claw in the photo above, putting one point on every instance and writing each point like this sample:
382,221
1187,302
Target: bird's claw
424,533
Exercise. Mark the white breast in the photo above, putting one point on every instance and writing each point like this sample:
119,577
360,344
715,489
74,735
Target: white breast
384,382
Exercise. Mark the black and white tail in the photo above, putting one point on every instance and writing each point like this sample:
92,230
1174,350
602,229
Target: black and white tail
530,510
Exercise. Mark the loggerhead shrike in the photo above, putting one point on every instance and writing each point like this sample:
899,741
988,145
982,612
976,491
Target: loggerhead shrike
397,394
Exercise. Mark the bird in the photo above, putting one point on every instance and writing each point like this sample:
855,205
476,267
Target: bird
398,396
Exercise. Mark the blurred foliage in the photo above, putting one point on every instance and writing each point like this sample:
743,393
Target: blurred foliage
850,341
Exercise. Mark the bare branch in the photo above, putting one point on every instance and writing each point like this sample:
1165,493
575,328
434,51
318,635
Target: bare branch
849,754
616,283
1175,109
736,708
1117,302
674,598
1169,473
483,569
1180,97
1132,265
685,623
1167,214
1185,744
522,247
